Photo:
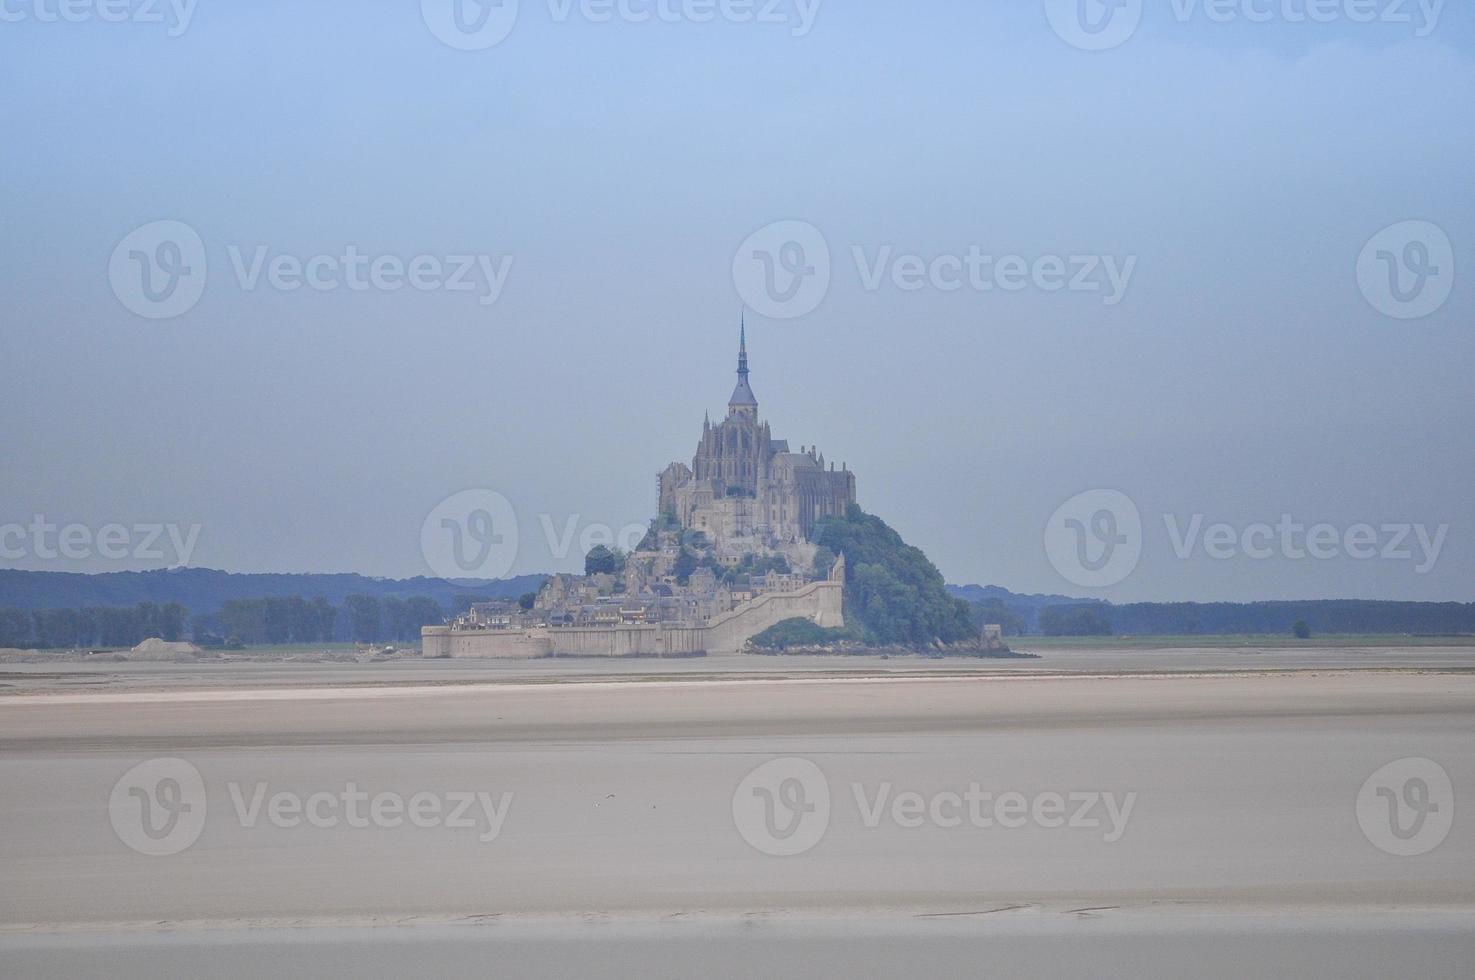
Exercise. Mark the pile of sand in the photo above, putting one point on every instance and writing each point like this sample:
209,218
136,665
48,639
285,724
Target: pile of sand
157,649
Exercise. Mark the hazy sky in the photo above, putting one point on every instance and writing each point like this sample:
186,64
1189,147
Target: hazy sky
1231,173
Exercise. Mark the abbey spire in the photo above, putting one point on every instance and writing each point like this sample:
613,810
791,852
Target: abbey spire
743,401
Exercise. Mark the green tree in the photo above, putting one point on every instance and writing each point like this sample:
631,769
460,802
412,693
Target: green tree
527,600
16,629
797,632
824,560
364,623
421,611
891,589
994,611
56,628
324,618
171,622
604,561
685,564
1082,620
1302,630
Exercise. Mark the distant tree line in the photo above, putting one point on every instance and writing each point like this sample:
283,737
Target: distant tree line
92,626
255,622
1093,619
1320,616
361,618
259,621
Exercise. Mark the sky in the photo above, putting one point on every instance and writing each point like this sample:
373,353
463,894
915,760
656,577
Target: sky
1109,310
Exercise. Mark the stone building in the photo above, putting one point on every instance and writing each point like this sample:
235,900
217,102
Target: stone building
747,490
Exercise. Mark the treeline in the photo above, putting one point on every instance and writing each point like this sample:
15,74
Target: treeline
260,621
1093,619
93,626
253,622
1322,616
361,618
205,590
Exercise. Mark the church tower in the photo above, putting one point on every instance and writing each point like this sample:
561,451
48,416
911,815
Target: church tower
743,401
747,490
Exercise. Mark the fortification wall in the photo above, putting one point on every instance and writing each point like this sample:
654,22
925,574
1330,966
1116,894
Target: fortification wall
819,601
728,633
442,641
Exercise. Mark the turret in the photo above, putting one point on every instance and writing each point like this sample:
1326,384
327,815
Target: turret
743,401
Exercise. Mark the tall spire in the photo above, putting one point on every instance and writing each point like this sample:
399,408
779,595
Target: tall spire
743,399
743,346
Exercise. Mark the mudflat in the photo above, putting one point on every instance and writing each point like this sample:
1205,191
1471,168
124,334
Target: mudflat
1235,792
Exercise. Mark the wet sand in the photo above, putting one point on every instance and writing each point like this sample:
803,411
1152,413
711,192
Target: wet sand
1015,944
64,676
622,812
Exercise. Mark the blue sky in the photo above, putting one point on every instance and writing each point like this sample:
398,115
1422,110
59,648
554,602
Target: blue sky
1242,375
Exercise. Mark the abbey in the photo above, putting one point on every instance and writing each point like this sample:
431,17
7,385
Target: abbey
730,555
747,491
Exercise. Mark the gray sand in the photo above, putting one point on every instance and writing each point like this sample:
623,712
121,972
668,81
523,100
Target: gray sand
622,812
